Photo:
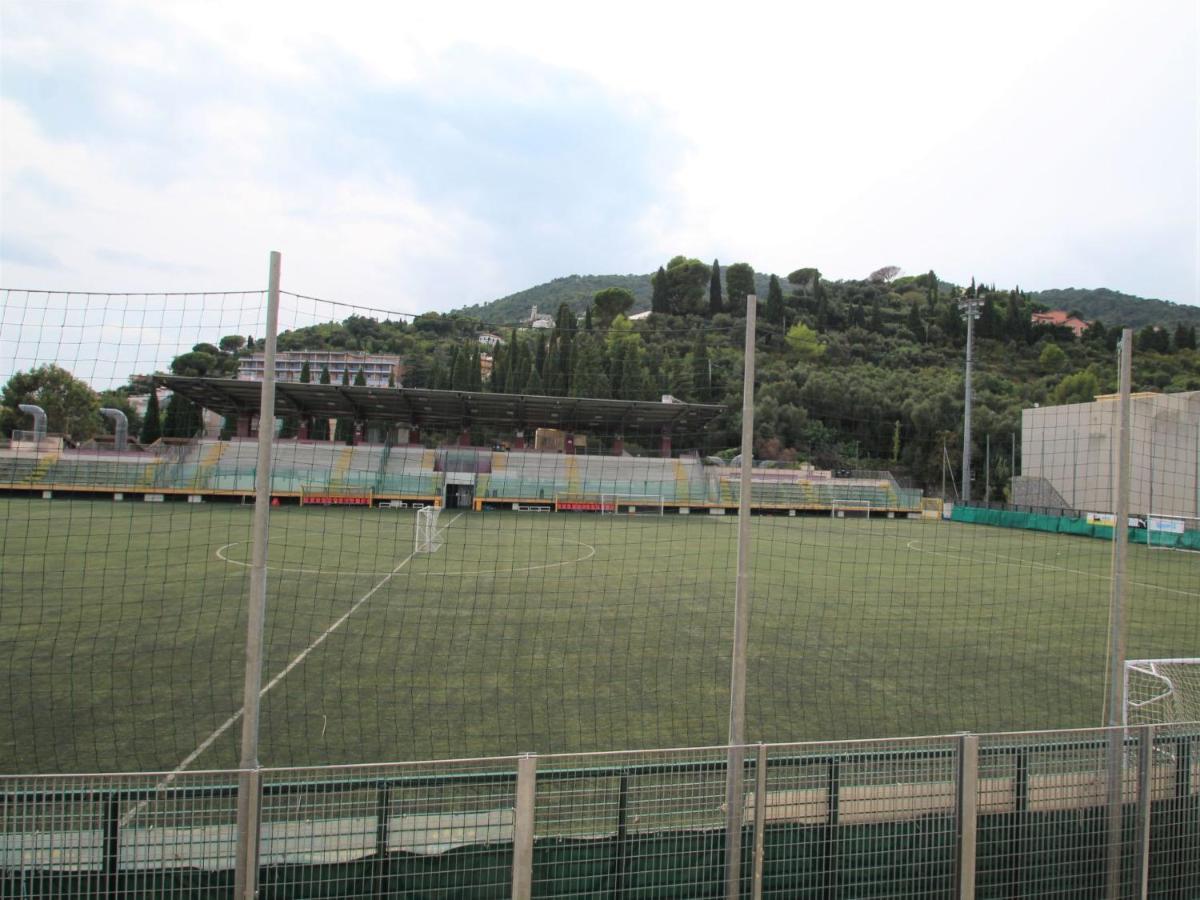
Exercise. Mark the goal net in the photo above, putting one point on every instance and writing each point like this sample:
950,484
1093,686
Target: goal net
1165,532
428,537
1159,691
841,509
631,504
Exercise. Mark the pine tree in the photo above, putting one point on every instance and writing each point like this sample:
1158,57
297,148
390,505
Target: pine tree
152,423
774,301
715,303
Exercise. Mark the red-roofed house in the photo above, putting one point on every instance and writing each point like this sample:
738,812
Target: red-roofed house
1061,317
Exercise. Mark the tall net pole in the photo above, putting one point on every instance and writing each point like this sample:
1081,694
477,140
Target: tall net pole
1116,614
970,311
246,871
741,626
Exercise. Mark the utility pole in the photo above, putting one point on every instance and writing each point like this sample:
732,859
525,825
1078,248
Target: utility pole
970,311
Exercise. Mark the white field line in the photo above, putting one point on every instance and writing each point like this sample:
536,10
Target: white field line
1024,563
283,673
591,551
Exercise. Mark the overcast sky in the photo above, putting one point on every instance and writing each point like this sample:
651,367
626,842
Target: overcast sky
416,160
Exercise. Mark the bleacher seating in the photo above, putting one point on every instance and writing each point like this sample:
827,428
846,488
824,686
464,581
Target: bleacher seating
409,471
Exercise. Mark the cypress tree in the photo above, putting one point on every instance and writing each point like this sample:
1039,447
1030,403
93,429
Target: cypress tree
587,375
774,301
658,296
343,430
587,319
305,373
701,391
1185,337
182,418
152,423
320,425
715,302
460,374
915,325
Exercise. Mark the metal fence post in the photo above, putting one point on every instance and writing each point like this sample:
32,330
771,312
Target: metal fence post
249,795
1116,620
1145,801
760,818
734,774
523,822
967,794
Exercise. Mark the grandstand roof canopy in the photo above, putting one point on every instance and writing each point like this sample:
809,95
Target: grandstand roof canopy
421,406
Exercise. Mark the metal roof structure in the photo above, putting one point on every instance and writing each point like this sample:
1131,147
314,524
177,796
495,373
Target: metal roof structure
421,406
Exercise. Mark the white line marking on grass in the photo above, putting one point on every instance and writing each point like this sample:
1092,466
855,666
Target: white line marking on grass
355,574
299,658
1029,564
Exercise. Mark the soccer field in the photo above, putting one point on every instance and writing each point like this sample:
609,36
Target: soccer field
122,632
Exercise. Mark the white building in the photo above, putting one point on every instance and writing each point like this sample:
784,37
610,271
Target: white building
1071,450
490,339
380,371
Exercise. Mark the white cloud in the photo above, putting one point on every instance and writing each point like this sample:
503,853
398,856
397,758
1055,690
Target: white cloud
1043,144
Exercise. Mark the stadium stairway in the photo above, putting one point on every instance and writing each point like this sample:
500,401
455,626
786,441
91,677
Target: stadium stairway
150,472
43,466
210,459
341,466
574,481
682,482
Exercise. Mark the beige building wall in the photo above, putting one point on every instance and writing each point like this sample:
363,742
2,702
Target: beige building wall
1074,448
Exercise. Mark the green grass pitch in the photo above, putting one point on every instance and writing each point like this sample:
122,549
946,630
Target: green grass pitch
122,632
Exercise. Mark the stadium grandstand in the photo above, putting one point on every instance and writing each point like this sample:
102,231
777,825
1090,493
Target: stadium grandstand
457,476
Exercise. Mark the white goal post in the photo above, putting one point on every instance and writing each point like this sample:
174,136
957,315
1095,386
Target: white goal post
1166,532
839,509
631,504
428,538
1160,691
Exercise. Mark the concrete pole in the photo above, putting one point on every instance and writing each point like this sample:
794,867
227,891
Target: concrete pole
1116,620
741,627
249,797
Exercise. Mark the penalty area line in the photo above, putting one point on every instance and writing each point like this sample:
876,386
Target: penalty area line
282,674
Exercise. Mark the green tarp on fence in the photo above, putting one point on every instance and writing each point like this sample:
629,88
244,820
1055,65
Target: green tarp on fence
1005,518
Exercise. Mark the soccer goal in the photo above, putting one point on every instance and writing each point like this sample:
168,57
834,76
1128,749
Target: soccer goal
428,537
858,509
1172,532
631,504
1159,691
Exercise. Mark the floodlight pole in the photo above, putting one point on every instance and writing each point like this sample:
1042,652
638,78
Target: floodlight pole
1116,617
741,627
970,311
249,787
